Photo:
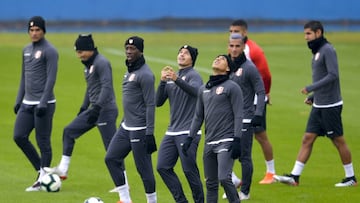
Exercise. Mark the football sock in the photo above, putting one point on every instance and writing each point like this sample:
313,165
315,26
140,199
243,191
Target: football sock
41,174
64,163
124,194
298,167
151,197
270,166
126,180
236,181
349,170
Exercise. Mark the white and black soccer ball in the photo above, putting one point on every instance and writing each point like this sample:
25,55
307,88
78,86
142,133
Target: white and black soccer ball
93,200
50,183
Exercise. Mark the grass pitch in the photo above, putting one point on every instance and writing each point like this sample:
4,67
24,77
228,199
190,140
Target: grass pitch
289,60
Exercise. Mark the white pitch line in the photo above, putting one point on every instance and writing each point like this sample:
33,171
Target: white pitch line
157,60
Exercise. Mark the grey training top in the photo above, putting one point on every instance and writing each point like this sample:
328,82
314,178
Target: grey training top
182,95
221,108
139,100
39,69
325,76
99,90
251,83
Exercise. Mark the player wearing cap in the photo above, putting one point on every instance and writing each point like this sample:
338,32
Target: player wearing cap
35,101
181,89
220,106
136,131
99,105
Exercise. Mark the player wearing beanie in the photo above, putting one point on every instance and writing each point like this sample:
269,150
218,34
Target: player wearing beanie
136,131
98,108
181,89
35,101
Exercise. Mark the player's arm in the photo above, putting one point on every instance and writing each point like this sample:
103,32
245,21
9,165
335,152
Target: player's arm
51,57
147,86
191,86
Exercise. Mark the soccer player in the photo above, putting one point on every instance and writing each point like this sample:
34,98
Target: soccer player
99,107
254,53
326,101
220,106
136,131
181,89
248,78
35,101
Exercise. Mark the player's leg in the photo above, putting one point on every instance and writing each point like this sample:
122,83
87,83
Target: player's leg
333,123
225,166
211,174
246,160
190,168
43,129
107,125
71,132
262,138
118,149
143,164
24,124
167,158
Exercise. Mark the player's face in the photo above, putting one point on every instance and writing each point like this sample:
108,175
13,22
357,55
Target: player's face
132,53
84,55
36,33
238,29
184,58
235,47
311,35
220,66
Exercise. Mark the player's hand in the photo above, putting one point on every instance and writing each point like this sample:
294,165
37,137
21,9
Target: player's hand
94,113
268,100
186,145
40,111
16,108
150,144
304,91
235,148
309,100
166,73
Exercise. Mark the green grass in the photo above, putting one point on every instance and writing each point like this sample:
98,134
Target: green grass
289,60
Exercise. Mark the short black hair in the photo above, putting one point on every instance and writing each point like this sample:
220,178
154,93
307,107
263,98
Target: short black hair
240,22
314,25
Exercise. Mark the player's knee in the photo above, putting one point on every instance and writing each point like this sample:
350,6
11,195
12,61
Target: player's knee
20,140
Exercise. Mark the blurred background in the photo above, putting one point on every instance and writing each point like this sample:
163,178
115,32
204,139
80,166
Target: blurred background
175,15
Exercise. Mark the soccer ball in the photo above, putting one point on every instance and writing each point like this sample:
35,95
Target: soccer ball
93,200
50,183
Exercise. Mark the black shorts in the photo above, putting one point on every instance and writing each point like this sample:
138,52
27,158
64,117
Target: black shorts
325,121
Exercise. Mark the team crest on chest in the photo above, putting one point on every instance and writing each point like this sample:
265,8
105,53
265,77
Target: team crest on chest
132,77
183,77
239,72
317,55
219,90
37,54
91,69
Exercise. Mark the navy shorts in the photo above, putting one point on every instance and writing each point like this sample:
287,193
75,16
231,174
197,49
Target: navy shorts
325,121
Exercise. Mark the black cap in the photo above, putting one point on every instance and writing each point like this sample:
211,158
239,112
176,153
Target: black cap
193,52
84,42
138,42
37,21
